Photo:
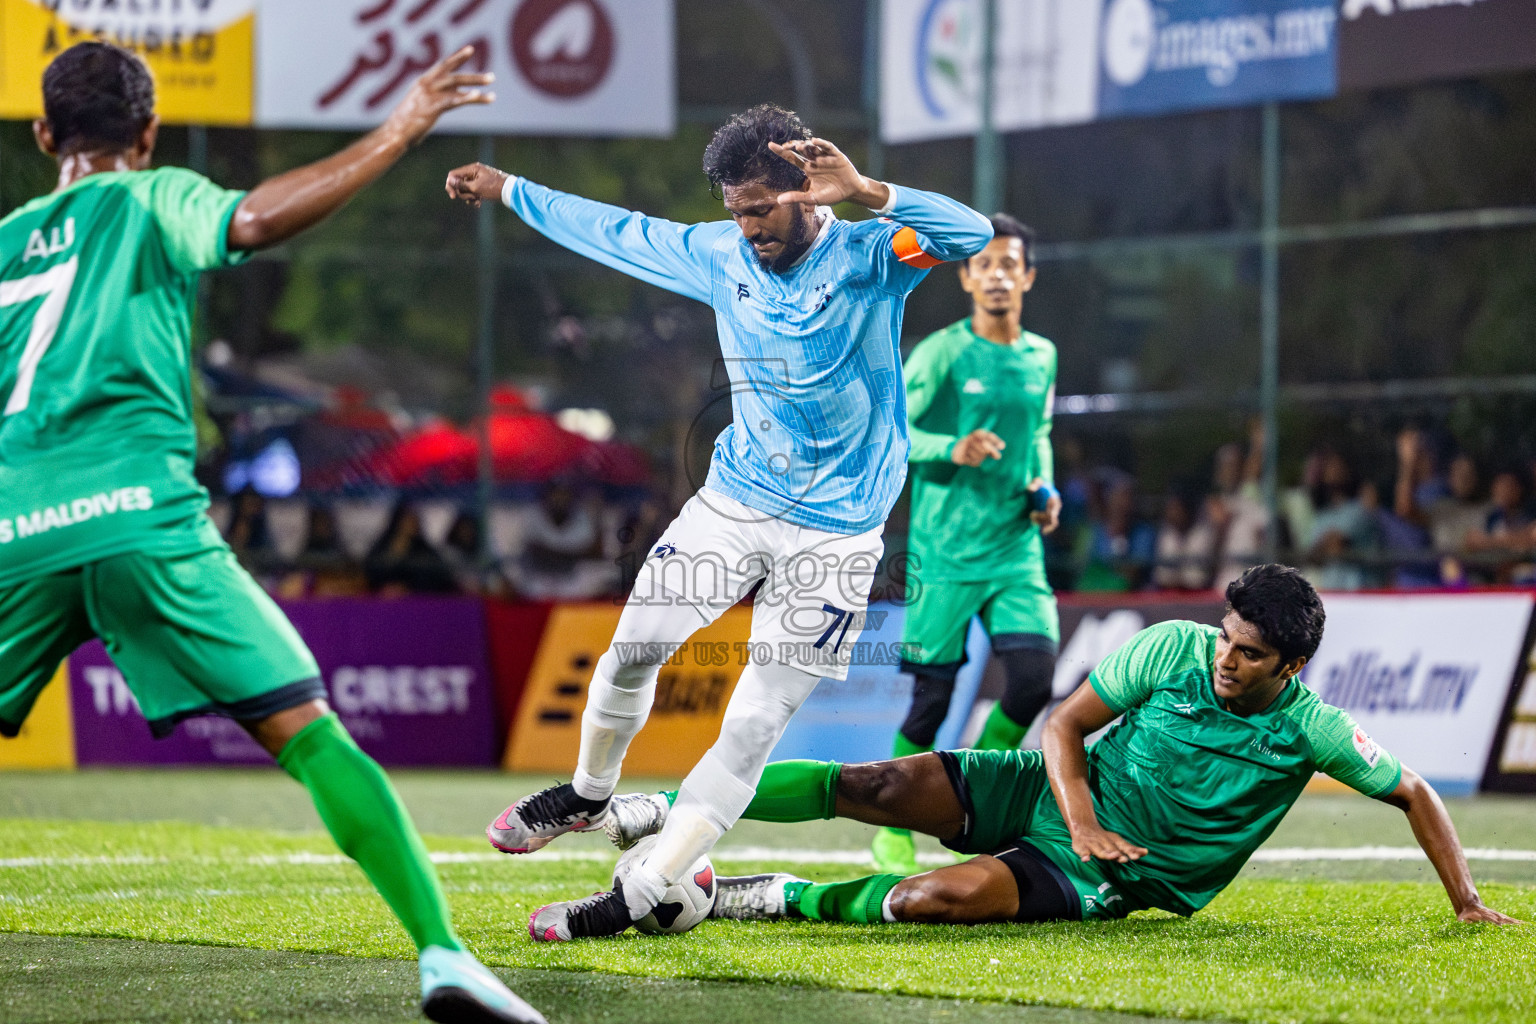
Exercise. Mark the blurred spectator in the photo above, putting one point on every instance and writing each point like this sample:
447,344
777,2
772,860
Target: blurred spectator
1506,529
403,562
1119,548
247,534
1451,518
461,553
1297,506
1186,546
1344,535
323,568
562,556
1238,514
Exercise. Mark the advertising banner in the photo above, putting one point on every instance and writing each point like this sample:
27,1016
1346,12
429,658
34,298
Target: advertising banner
1166,55
47,737
1512,768
691,693
931,57
1425,675
200,53
1395,42
408,678
563,67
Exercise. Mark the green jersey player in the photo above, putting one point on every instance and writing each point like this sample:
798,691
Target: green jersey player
102,525
979,397
1216,740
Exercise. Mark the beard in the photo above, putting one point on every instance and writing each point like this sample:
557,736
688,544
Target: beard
802,232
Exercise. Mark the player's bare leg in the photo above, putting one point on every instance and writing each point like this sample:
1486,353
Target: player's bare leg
909,792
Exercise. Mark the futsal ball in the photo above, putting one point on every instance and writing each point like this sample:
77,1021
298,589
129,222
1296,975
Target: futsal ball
684,904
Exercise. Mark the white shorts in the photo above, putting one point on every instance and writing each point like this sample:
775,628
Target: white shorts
808,612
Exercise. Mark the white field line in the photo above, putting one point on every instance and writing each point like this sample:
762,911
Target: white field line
743,854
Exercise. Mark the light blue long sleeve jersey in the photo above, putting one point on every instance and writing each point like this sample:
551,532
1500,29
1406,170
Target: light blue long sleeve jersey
819,436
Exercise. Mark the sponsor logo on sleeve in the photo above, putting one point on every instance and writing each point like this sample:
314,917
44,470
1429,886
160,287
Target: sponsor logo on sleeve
1366,747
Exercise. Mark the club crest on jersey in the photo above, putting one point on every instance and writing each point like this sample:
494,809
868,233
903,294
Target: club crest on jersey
975,386
54,243
1366,747
663,550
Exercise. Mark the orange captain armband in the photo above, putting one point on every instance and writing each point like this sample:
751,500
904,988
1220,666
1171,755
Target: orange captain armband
909,252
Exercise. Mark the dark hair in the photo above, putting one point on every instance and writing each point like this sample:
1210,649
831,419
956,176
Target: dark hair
739,154
1007,226
1282,604
97,94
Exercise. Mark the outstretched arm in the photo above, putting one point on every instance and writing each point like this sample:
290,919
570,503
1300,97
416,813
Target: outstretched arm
669,255
282,207
1433,829
1066,765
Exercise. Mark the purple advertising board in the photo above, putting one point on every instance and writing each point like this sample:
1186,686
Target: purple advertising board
409,679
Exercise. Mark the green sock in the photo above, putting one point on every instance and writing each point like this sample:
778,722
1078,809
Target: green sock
366,818
792,791
1000,732
856,902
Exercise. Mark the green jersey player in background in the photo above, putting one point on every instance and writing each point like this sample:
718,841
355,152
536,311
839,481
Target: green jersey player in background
1216,739
102,524
979,397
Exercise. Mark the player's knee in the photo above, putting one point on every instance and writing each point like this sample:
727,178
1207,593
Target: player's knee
882,785
935,898
749,733
629,668
1029,674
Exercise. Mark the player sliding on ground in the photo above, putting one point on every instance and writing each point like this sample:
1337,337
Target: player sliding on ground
808,309
103,531
1217,740
979,397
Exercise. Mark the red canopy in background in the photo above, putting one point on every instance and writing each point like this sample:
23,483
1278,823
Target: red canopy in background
526,447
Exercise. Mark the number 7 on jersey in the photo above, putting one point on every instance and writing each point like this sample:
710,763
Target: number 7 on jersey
54,285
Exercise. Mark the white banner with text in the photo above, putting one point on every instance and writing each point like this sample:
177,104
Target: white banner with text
563,67
1427,676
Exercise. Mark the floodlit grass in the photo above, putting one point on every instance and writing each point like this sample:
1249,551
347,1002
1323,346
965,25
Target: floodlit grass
1269,949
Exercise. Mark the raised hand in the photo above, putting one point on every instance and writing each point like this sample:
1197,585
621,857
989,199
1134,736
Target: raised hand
440,90
475,183
830,176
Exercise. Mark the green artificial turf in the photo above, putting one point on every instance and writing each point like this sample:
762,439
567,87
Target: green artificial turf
1282,948
63,980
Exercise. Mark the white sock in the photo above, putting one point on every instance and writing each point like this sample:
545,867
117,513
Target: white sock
643,889
623,688
885,908
709,802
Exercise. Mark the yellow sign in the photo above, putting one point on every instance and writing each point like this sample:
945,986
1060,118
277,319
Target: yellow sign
201,53
47,737
691,694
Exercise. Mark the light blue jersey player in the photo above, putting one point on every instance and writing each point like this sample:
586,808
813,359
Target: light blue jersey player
809,310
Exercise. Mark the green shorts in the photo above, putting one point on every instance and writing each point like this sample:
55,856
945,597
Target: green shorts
193,635
1007,797
1018,612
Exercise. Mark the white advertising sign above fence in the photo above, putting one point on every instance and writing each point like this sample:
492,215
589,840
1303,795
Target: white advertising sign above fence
563,67
1425,675
1046,61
